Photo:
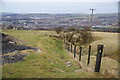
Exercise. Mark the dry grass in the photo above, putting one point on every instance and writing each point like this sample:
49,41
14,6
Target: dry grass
110,42
108,69
109,63
50,62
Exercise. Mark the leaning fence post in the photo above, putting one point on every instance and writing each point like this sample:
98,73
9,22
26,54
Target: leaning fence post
98,58
71,47
80,54
89,55
74,51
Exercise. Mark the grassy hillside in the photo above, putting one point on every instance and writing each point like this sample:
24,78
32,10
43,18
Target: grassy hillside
50,60
109,41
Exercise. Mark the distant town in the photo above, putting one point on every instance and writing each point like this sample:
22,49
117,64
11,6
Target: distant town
39,20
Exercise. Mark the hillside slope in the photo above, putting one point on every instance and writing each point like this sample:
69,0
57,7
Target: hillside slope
51,60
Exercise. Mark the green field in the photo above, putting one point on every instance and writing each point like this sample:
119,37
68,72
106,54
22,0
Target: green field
50,60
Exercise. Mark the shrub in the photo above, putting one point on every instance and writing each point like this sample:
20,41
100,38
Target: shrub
58,29
71,29
79,37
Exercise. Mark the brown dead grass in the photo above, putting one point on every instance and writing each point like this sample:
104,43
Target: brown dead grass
110,42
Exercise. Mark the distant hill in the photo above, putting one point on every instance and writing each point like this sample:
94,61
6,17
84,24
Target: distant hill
69,14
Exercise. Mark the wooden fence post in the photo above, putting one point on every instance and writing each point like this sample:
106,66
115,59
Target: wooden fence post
71,47
68,47
64,41
89,55
65,45
98,58
80,54
74,51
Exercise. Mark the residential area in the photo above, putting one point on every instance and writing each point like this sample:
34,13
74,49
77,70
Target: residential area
38,21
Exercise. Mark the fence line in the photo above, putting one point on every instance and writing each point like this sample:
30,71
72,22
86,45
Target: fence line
98,57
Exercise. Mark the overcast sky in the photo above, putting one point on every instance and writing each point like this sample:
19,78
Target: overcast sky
60,0
59,6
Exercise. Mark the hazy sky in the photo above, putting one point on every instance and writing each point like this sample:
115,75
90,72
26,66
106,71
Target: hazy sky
59,6
60,0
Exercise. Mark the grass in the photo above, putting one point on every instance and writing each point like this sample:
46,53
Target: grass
49,62
108,40
106,64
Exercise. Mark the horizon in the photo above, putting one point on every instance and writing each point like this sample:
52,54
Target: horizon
54,13
59,7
